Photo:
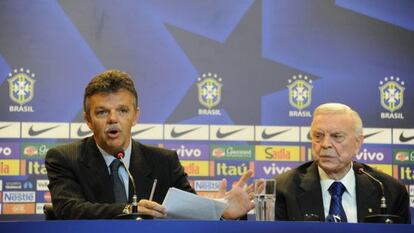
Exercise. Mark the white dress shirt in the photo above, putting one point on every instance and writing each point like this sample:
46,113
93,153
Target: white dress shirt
122,172
348,198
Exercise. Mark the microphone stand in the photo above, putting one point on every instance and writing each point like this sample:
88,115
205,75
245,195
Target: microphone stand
383,217
134,215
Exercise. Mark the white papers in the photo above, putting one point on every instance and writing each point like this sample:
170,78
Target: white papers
184,205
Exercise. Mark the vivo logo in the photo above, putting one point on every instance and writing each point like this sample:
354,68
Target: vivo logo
182,151
6,151
275,170
370,156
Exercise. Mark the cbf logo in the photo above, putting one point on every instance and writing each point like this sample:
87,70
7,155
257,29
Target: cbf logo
392,97
209,93
21,89
300,95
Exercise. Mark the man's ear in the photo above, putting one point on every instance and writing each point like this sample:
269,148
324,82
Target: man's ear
137,112
87,118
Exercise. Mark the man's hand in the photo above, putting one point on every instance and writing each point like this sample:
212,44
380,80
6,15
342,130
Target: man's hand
151,208
239,197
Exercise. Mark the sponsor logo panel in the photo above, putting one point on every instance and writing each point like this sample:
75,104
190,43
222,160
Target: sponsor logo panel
233,152
196,168
277,153
43,197
9,129
403,136
374,155
35,167
19,196
386,168
377,136
206,185
186,132
35,151
231,168
79,130
305,135
39,208
9,167
277,133
404,173
148,132
10,185
267,169
9,150
231,133
41,185
190,151
18,208
403,156
45,130
1,186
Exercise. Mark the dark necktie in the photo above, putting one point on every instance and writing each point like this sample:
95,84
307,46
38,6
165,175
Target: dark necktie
336,209
119,187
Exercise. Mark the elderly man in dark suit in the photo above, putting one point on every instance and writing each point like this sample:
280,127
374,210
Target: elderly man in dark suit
332,187
82,174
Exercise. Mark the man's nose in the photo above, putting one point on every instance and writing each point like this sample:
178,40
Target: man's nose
326,142
113,117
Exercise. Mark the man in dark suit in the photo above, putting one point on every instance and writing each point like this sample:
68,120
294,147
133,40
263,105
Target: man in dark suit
308,191
80,179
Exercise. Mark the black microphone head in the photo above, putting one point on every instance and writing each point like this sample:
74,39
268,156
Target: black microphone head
120,155
358,168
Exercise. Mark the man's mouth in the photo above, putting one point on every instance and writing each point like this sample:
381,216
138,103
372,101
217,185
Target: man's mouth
113,133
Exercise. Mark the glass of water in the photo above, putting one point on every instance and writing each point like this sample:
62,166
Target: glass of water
264,199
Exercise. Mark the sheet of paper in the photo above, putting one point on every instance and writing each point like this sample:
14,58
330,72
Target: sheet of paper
184,205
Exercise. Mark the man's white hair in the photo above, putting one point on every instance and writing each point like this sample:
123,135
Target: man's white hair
338,108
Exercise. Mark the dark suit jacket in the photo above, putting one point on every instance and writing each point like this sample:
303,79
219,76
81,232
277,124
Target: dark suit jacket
298,192
80,184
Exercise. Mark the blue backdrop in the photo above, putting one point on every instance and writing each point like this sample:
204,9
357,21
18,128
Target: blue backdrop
229,84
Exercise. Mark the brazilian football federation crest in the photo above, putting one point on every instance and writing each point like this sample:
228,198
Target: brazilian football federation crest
21,86
392,93
209,90
300,91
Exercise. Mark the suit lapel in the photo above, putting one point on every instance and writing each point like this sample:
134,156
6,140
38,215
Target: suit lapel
311,194
140,168
97,172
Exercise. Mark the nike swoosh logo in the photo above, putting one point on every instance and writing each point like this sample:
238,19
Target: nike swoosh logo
219,134
142,130
5,126
365,136
371,134
405,139
33,132
267,136
175,134
82,133
309,136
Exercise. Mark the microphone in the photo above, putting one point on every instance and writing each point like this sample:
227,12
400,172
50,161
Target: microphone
120,155
383,217
134,212
383,205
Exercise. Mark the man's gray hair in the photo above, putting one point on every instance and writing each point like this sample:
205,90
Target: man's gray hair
338,108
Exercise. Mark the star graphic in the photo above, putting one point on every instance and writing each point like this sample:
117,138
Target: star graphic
246,74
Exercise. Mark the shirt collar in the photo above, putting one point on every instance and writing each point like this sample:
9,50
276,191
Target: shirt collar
109,158
348,180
